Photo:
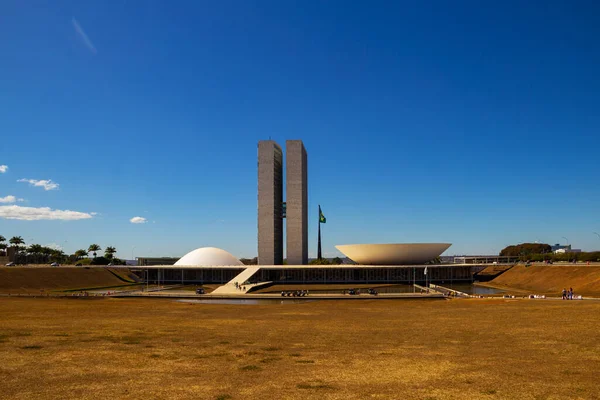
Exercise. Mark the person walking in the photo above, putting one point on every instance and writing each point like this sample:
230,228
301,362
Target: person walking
564,294
570,293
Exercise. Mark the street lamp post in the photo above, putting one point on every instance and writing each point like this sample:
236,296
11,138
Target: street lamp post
566,240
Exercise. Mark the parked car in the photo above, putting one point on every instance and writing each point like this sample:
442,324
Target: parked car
55,264
78,264
200,291
11,264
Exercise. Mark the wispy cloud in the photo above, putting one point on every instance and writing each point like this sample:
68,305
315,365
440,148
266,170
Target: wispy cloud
83,36
3,168
46,184
9,199
138,220
40,213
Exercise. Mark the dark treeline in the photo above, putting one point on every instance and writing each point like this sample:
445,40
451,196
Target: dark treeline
543,252
525,249
38,254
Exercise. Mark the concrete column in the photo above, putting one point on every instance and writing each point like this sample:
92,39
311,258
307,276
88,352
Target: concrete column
297,203
270,199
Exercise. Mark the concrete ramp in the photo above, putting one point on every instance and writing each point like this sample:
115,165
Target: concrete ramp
230,287
427,290
449,292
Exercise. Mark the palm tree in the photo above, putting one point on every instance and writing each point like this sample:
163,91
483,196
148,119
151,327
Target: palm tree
80,254
57,255
35,250
46,251
15,241
2,245
109,252
93,249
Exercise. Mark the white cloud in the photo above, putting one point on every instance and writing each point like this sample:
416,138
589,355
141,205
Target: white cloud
138,220
3,168
46,184
84,37
40,213
9,199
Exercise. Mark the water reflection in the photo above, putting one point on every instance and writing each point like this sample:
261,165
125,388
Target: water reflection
473,289
244,301
401,288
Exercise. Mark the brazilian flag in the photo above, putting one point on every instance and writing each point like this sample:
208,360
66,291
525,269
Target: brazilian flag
322,218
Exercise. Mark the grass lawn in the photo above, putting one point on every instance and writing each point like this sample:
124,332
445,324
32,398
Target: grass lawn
373,349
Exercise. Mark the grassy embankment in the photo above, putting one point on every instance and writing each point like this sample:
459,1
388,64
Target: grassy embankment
455,349
550,279
33,280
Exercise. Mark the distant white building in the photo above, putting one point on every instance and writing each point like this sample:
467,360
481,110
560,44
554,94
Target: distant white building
558,248
564,250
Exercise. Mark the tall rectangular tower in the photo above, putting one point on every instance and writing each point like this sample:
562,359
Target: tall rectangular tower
297,202
270,199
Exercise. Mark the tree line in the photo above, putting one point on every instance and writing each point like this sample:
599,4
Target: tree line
38,254
543,252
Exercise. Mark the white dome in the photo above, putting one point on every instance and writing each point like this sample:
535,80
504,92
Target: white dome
208,257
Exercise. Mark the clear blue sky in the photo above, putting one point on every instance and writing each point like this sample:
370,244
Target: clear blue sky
468,122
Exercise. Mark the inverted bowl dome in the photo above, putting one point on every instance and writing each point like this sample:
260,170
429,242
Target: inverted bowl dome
208,257
393,253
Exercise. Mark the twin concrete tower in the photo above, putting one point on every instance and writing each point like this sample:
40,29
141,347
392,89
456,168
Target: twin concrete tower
272,209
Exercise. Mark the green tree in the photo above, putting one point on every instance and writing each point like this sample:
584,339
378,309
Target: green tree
526,249
336,261
35,250
322,261
16,241
2,245
57,255
109,252
94,248
80,254
46,251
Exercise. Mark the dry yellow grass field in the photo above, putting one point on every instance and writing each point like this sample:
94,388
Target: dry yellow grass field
550,279
372,349
31,280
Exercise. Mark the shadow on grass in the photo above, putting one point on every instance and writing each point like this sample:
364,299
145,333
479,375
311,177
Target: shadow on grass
250,368
315,385
5,336
31,347
272,349
269,360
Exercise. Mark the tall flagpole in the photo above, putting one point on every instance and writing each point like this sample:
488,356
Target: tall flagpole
319,243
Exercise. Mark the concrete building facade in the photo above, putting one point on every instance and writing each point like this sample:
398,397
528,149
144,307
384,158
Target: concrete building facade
296,193
270,200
